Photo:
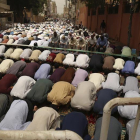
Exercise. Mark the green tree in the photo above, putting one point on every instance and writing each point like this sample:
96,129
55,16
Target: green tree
18,7
94,3
37,6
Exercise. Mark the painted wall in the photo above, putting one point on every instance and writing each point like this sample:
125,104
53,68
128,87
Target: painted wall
113,26
89,22
124,28
83,13
135,39
94,23
100,19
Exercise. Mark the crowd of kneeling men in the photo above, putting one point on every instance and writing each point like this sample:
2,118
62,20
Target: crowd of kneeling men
35,84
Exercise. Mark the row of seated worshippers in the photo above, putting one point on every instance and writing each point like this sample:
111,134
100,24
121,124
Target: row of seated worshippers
62,87
57,35
44,34
55,41
81,43
53,34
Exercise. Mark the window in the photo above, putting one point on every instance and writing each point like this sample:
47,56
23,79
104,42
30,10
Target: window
113,9
88,11
9,19
138,7
127,8
93,12
101,11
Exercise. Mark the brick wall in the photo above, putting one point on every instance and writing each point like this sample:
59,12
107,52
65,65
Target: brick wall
117,24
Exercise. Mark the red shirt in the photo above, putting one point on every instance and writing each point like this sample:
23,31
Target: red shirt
6,82
51,57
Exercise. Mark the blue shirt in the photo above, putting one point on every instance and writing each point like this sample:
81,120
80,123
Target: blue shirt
43,72
77,123
103,97
15,118
102,42
129,67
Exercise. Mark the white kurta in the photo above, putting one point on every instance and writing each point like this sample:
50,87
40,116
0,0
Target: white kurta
44,55
112,82
69,60
85,96
44,119
8,52
5,65
129,111
2,50
16,54
26,54
22,87
16,116
97,79
119,64
137,70
82,61
129,129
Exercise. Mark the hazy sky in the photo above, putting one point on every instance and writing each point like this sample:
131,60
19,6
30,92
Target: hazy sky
60,5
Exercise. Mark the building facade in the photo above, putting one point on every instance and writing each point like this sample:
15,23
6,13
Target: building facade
4,14
65,12
4,6
53,9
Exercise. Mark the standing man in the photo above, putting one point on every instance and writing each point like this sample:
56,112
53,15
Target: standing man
80,25
103,26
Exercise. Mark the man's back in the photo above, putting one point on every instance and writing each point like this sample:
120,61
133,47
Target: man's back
103,25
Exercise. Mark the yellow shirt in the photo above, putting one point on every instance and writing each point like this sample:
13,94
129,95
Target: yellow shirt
16,54
59,58
72,42
61,93
5,65
35,54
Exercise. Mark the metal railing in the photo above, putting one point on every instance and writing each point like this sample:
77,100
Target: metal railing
63,135
71,50
39,135
107,113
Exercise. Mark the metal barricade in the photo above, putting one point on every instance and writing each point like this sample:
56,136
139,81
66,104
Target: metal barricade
71,50
39,135
107,113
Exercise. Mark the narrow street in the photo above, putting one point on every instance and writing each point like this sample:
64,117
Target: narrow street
69,69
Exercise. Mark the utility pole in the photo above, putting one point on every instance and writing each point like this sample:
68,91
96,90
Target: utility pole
132,11
75,13
69,11
66,3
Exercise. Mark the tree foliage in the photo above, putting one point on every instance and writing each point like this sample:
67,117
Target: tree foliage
94,3
37,6
17,6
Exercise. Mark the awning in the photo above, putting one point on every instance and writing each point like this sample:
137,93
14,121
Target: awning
6,14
